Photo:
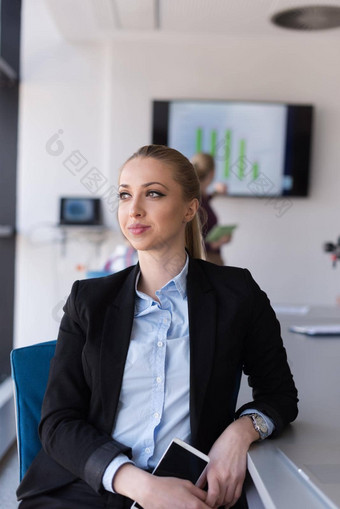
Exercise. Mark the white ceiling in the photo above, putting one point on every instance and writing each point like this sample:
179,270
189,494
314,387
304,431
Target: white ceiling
109,19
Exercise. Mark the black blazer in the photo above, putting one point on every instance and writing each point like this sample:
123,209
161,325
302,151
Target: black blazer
232,327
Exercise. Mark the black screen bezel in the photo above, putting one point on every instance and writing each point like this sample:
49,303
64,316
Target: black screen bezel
299,128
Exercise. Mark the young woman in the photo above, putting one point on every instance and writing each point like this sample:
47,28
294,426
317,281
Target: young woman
155,352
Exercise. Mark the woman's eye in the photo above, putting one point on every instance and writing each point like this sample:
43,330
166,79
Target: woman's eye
155,194
123,195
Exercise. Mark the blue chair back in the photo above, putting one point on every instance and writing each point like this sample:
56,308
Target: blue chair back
30,367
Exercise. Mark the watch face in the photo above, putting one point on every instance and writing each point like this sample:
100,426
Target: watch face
261,423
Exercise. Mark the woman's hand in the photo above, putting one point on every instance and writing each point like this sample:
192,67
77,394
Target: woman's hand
173,493
153,492
228,463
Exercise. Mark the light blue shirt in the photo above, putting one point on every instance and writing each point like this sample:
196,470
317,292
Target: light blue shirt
153,405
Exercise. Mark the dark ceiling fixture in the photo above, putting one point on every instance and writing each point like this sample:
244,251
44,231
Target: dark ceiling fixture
309,17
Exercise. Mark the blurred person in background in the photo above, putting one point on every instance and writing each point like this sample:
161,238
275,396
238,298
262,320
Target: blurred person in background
204,165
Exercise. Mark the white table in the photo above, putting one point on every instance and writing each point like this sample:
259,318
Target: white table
301,468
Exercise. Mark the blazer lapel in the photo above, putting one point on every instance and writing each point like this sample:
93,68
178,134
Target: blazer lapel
115,344
116,338
202,329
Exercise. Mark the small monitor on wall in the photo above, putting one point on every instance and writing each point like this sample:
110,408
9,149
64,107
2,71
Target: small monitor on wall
80,211
260,149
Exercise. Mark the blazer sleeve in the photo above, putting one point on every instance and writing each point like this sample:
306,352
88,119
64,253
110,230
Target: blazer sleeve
65,433
265,362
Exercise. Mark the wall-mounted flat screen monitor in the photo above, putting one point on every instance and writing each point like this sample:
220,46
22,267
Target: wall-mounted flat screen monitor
261,149
80,211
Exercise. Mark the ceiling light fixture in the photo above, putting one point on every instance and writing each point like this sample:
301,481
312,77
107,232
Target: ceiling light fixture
310,17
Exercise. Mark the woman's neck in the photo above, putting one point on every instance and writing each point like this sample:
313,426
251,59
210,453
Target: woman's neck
157,270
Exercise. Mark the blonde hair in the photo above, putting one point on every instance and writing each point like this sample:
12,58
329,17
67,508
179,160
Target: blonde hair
204,164
185,175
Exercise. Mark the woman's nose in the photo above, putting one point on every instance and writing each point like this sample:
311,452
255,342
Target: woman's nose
136,209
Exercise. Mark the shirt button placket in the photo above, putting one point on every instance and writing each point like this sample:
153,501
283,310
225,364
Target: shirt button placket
159,371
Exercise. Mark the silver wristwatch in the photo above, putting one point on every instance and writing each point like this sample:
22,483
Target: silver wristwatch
259,424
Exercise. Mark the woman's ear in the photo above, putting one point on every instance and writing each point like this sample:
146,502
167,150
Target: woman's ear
191,210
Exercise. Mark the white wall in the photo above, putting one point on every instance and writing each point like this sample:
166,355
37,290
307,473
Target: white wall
100,96
283,252
64,88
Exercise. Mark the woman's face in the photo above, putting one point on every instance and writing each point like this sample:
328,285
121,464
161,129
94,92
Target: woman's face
152,212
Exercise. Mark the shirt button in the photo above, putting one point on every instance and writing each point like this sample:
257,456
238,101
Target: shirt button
160,344
156,415
158,379
147,450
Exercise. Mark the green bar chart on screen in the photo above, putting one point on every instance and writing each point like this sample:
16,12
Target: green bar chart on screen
246,140
242,159
222,150
213,142
199,136
227,153
255,171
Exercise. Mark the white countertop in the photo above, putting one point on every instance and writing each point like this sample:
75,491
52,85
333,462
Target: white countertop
301,468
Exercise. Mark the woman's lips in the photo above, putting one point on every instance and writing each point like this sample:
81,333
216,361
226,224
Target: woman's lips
138,229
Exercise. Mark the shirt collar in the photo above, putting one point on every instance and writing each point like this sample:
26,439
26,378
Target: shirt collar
179,283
